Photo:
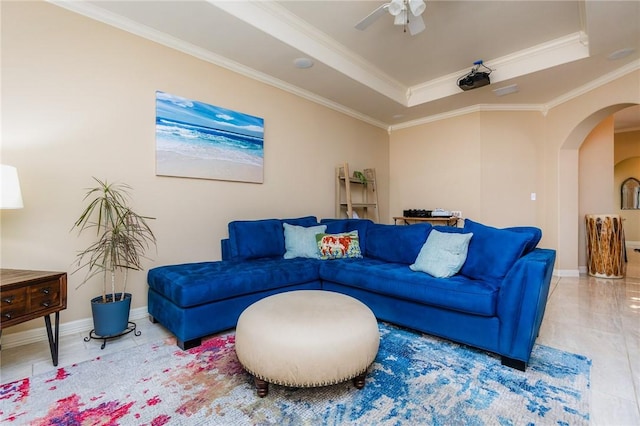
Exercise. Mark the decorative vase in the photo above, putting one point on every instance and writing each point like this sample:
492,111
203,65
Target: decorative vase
111,318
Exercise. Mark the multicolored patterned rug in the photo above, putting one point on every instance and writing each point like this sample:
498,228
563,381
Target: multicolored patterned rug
415,379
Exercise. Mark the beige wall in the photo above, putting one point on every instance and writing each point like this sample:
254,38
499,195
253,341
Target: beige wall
435,166
595,170
566,127
78,100
627,145
485,164
627,164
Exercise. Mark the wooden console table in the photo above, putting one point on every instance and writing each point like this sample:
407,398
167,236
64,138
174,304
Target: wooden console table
449,221
26,295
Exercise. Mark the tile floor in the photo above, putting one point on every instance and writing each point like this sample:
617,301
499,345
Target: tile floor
598,318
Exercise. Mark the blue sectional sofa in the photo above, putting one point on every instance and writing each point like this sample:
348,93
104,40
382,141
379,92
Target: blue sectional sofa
494,300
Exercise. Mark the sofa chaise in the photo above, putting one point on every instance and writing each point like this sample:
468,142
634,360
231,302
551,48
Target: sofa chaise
477,285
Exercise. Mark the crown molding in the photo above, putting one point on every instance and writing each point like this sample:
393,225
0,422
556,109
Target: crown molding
315,43
542,108
117,21
630,129
436,117
562,50
545,55
592,85
465,111
281,24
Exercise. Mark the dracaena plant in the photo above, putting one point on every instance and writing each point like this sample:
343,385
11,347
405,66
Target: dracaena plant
122,236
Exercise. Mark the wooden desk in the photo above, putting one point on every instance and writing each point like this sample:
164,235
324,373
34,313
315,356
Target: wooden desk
25,295
449,221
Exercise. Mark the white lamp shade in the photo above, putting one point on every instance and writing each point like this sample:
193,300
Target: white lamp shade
395,7
417,7
416,25
400,18
10,197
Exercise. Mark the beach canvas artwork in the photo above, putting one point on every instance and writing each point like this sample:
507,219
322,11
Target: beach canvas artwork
198,140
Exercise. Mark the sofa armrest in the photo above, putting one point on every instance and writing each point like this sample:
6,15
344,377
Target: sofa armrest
522,302
225,248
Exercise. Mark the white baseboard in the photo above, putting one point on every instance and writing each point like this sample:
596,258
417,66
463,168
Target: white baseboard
566,272
79,326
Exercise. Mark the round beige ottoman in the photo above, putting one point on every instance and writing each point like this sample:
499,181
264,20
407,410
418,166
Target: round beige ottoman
307,338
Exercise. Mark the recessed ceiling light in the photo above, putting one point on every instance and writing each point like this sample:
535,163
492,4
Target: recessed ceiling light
303,63
506,90
622,53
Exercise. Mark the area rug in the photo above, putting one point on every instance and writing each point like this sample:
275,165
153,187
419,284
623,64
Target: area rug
415,379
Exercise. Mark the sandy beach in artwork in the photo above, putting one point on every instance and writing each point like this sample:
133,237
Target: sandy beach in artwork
198,140
173,164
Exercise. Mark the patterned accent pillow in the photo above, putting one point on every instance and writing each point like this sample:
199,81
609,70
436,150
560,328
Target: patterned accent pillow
339,246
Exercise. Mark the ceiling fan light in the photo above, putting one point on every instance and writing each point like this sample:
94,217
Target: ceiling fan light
416,25
401,18
395,7
417,7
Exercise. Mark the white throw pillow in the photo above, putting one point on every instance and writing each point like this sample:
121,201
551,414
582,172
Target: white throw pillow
300,241
443,254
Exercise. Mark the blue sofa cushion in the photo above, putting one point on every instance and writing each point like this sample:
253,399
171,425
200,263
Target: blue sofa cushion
339,226
397,244
254,239
492,251
193,284
396,280
535,234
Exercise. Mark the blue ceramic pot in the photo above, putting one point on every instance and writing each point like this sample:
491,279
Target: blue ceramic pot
111,318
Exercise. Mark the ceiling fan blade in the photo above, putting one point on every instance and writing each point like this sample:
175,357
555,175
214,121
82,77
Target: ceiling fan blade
372,17
416,25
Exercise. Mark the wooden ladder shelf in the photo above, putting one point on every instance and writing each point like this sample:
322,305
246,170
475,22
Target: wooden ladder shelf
356,197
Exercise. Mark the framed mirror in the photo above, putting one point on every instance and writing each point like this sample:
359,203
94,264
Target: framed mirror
630,194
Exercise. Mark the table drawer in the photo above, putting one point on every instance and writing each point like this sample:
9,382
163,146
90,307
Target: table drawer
44,295
26,295
13,303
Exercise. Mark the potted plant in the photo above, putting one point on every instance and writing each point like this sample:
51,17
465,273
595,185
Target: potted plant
122,237
360,176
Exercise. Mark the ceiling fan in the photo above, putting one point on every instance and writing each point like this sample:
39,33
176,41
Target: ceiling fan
405,12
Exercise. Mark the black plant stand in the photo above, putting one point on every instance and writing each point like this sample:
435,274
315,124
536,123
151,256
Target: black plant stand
130,328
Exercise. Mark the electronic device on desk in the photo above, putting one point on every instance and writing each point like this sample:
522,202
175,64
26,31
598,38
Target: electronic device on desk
440,213
426,213
416,213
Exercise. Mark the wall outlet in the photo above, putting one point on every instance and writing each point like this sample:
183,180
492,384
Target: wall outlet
456,213
533,196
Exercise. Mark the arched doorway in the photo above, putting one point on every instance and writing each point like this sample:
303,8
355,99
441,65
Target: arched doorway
569,218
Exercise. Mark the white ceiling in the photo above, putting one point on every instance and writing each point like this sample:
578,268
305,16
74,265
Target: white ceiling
552,50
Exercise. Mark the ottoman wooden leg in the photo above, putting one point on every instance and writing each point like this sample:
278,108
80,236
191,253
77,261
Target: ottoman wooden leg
262,387
358,381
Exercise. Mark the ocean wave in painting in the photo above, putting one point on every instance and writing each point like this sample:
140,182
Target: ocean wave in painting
191,130
207,144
